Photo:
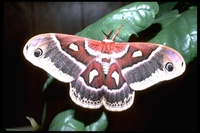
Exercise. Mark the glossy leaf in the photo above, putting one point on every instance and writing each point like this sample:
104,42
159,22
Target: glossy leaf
165,8
64,121
179,31
134,17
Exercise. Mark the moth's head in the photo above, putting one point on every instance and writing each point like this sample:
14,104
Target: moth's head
35,48
173,62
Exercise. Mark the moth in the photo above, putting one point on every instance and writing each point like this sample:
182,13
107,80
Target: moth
103,73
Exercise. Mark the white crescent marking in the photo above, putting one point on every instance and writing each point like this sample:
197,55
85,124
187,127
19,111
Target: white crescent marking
93,74
115,75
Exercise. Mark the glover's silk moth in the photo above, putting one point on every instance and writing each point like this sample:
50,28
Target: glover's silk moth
103,72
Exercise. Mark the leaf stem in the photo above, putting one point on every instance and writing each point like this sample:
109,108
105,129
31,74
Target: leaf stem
46,84
44,116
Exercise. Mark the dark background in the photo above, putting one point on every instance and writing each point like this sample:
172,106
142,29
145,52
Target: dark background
168,106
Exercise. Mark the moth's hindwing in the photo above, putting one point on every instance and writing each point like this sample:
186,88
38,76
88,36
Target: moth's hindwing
92,88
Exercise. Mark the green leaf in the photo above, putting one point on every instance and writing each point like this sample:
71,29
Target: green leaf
165,8
167,18
134,17
64,121
179,33
99,125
